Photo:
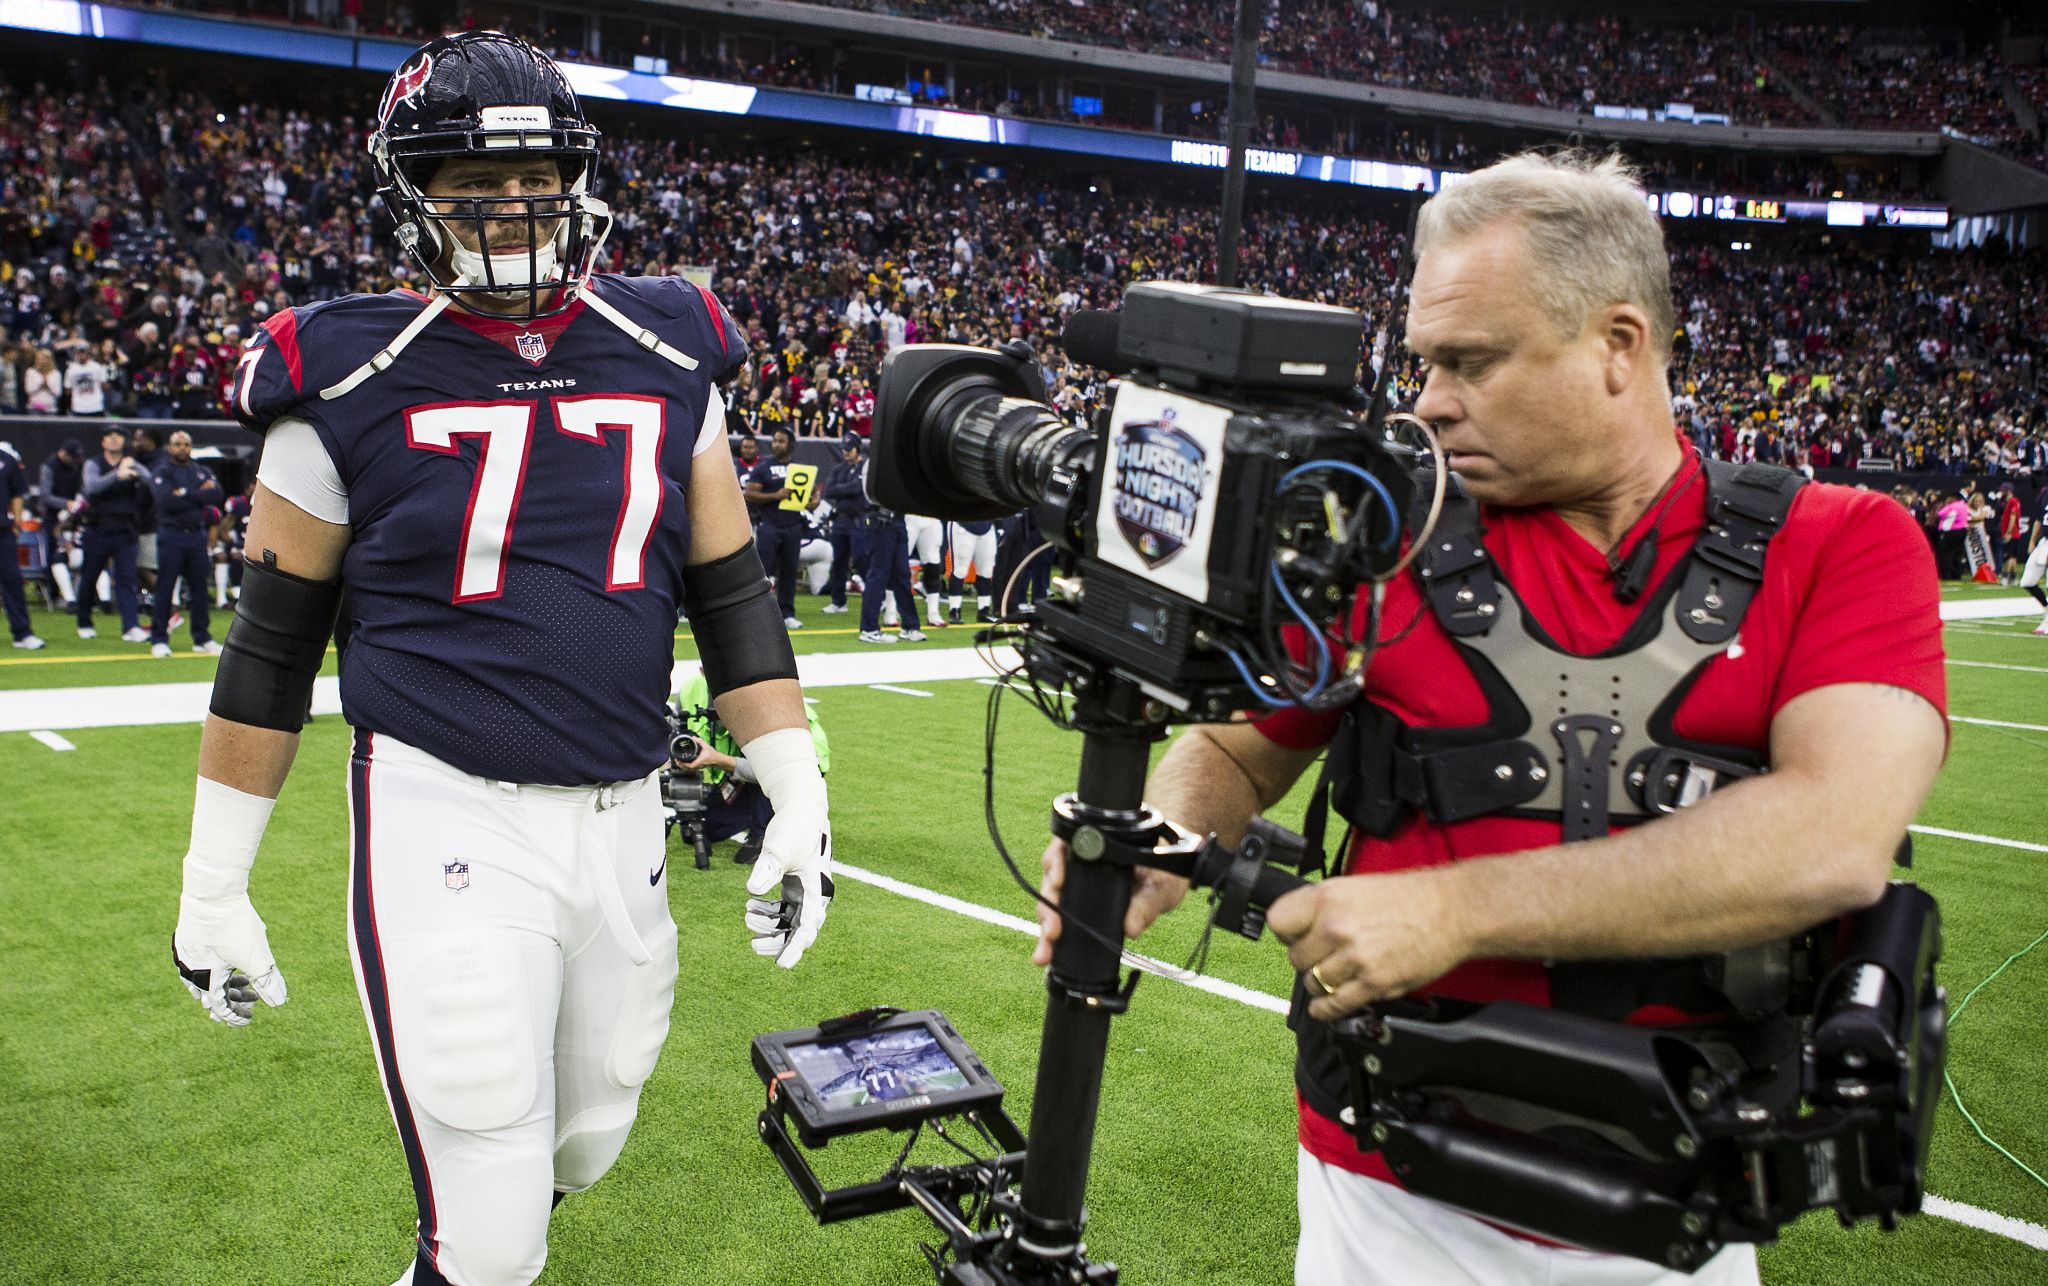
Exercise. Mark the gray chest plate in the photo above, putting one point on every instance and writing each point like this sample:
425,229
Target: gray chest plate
1588,737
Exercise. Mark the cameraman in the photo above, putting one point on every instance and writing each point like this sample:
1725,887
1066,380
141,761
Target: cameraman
734,804
1542,309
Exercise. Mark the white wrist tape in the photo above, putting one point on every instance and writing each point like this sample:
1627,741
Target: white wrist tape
227,828
785,762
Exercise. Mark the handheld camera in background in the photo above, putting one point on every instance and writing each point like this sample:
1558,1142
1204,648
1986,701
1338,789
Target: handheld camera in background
685,798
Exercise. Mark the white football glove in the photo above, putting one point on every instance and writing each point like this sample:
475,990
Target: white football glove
220,946
795,865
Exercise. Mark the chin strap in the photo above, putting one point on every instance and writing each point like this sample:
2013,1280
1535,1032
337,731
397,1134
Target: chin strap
642,336
390,352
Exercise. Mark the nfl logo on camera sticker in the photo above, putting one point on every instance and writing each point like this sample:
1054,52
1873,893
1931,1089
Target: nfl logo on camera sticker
1158,485
1160,511
455,875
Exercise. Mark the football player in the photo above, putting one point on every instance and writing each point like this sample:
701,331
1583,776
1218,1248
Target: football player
2036,569
973,548
927,538
502,488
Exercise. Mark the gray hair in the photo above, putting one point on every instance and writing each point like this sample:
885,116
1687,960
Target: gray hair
1592,236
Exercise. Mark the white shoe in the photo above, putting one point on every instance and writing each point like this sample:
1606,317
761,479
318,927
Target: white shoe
161,651
208,648
136,635
2042,628
834,609
30,643
791,623
87,632
911,636
876,636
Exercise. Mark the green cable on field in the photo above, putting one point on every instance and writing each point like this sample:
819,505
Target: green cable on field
1947,1080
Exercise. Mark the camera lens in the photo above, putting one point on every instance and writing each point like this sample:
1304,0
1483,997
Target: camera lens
684,748
960,433
1002,449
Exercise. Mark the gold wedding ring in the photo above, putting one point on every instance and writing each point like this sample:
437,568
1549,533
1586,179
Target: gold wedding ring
1316,972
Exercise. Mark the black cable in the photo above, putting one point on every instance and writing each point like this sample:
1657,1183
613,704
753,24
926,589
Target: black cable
995,831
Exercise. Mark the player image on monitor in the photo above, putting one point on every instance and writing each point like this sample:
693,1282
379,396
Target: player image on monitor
877,1069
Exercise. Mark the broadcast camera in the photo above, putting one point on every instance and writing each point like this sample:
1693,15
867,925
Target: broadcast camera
1223,530
1229,491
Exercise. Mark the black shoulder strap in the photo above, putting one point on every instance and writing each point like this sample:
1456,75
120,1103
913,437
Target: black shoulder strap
1456,573
1746,505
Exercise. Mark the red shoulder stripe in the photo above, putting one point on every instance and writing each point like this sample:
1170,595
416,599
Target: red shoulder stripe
717,315
284,332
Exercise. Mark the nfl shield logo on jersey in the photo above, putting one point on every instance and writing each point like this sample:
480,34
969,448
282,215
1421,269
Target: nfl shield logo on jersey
455,875
532,347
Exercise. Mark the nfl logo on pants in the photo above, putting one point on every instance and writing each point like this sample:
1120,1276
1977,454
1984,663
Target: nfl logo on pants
455,875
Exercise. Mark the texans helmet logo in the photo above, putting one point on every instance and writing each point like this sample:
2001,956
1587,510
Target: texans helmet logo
406,85
1159,478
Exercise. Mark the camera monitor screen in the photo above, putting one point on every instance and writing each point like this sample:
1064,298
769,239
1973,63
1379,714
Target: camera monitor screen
877,1067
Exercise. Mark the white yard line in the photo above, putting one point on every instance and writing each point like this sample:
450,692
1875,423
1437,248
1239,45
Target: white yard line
1999,723
52,740
1983,1220
140,704
902,692
1979,609
1944,833
1993,665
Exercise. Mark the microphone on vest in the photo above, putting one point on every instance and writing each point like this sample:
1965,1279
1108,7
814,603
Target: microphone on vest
1090,338
1633,576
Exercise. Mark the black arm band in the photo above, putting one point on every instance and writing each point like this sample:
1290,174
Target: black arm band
274,648
736,623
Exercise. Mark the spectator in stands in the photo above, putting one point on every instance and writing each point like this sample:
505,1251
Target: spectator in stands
85,382
42,385
10,376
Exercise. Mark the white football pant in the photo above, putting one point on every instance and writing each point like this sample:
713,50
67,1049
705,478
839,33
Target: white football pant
927,539
814,564
1358,1231
973,553
517,963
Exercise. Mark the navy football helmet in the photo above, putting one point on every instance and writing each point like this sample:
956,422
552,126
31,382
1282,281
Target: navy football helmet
484,95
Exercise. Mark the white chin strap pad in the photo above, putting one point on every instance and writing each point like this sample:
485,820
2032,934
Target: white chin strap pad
508,272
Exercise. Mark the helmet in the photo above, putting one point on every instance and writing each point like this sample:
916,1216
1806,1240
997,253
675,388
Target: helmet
487,95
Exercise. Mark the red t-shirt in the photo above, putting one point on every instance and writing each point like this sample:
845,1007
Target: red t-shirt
1849,595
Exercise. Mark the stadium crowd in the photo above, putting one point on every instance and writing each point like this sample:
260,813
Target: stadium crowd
1750,73
143,237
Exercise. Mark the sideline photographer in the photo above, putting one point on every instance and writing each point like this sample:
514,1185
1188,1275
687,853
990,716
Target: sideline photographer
734,804
1542,306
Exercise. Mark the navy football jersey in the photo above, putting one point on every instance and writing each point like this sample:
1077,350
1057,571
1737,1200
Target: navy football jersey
516,493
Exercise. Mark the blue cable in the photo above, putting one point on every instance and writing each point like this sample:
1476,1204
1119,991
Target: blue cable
1345,466
1315,636
1258,689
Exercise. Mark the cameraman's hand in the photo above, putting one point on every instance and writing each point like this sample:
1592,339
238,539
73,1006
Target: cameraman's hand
709,758
1153,894
1370,937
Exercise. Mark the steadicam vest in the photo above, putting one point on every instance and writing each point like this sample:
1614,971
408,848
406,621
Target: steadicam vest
1587,741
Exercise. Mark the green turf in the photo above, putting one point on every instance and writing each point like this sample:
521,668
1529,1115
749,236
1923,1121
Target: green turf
147,1145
